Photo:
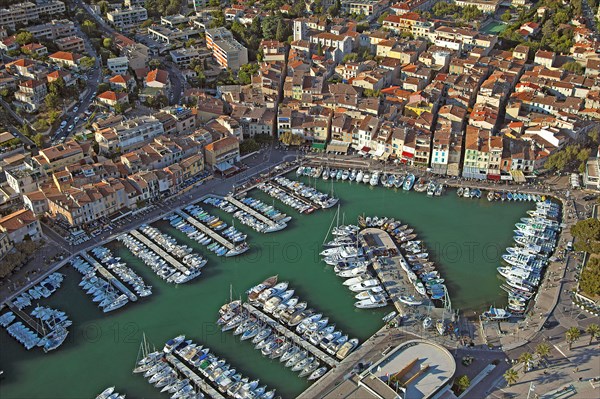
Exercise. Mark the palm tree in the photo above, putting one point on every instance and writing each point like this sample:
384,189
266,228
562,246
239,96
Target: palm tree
525,358
572,335
511,376
543,349
594,331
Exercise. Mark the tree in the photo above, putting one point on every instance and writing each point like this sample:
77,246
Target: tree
594,331
107,42
382,17
38,139
543,350
463,383
190,43
589,282
351,57
246,72
574,67
572,335
587,235
280,34
506,16
24,38
52,100
511,376
103,7
89,28
248,146
525,358
218,19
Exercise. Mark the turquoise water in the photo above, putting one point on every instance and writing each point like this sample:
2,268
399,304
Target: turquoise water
465,237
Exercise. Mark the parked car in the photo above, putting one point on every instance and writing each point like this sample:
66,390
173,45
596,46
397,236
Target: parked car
63,124
71,127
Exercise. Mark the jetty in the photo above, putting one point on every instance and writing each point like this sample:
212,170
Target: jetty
253,212
195,378
30,321
301,342
115,282
207,230
294,195
171,260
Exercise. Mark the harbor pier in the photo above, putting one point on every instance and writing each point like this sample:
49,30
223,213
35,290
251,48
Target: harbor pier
171,260
30,321
301,342
195,378
251,211
115,282
207,230
294,195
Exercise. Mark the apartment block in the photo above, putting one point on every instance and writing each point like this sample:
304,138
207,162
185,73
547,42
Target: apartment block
26,12
228,52
53,30
127,18
71,43
129,134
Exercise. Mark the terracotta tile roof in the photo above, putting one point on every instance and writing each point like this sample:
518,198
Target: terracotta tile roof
17,220
157,75
65,56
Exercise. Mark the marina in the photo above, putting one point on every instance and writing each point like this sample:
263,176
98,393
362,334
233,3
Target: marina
437,227
109,277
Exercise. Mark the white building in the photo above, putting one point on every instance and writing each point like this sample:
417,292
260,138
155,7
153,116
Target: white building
118,65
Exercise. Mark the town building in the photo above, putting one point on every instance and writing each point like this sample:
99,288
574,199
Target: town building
127,18
21,225
228,52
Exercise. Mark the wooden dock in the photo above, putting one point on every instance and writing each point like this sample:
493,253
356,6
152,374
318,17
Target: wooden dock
171,260
195,378
207,230
293,194
251,211
109,276
296,339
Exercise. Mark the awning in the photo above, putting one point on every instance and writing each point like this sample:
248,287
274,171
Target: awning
338,146
407,154
223,166
365,150
385,156
379,152
493,177
518,176
318,146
